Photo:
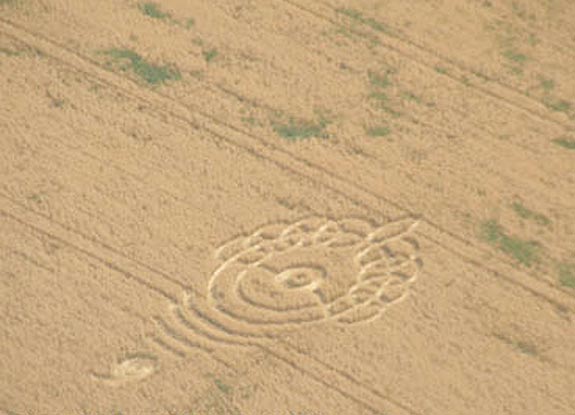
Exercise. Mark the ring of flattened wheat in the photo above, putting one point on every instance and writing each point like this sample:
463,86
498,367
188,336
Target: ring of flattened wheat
315,269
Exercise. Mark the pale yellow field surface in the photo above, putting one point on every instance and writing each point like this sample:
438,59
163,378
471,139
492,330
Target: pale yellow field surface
287,207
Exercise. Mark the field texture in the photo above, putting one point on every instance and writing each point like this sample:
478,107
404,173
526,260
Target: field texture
287,207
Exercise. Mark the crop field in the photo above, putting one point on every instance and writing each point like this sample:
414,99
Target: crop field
287,207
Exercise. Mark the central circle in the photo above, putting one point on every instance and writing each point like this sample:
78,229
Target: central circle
308,277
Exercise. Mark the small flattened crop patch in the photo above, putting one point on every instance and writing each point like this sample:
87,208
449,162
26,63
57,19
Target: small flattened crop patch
152,74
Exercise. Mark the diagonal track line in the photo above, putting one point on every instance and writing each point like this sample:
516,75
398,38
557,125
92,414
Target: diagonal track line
421,49
275,154
367,206
86,245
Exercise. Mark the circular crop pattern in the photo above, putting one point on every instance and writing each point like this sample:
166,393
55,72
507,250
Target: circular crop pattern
316,269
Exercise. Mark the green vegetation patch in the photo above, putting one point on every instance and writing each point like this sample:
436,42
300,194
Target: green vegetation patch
210,55
547,84
565,143
481,75
567,275
379,81
526,347
559,106
152,10
529,214
379,96
150,73
532,39
523,346
515,56
410,96
222,386
249,120
441,70
525,252
378,131
300,129
358,17
9,52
